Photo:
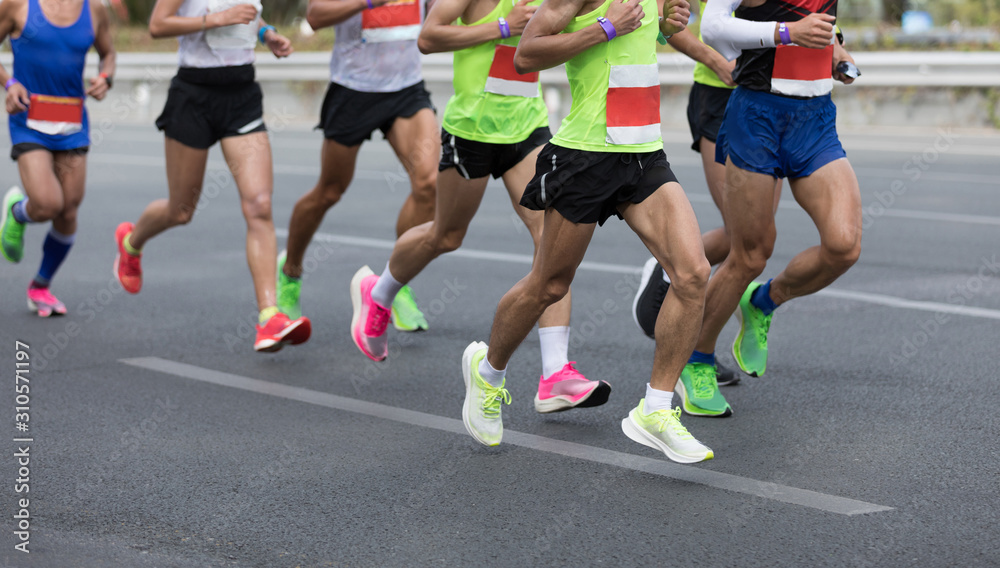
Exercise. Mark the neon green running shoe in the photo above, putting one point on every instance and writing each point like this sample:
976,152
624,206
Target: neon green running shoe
662,430
699,392
750,346
288,291
11,230
481,410
406,316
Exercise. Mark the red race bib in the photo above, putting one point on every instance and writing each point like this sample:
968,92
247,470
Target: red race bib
55,115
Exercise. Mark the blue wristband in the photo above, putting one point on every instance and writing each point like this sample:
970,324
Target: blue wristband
263,30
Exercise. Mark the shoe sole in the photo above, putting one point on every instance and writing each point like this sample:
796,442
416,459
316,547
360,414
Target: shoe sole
467,356
639,435
360,275
693,410
647,273
596,397
53,312
3,222
738,341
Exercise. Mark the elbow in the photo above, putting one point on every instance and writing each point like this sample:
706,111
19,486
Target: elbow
524,64
426,45
312,18
156,30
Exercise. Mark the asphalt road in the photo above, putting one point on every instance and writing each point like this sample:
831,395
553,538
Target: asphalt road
159,438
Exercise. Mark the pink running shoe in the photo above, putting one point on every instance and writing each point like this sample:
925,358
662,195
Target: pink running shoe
569,389
128,269
370,319
42,301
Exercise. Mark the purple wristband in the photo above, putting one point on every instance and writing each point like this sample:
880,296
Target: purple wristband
370,5
11,81
609,28
504,28
786,37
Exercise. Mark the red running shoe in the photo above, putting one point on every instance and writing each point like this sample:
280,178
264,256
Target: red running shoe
280,331
128,270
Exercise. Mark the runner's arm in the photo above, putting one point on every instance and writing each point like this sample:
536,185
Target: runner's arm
325,13
164,21
17,96
440,34
729,35
543,45
687,43
105,50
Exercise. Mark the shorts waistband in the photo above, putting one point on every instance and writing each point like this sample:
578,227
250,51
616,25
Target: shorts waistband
780,102
236,76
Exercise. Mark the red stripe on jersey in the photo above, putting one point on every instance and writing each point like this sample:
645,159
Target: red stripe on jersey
633,106
56,109
503,66
802,63
811,5
391,15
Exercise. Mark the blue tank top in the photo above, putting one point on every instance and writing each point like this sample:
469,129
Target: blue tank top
49,60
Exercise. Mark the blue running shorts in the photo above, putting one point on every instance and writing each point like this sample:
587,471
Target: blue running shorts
778,136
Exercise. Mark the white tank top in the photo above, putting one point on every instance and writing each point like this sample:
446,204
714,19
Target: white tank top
375,51
219,47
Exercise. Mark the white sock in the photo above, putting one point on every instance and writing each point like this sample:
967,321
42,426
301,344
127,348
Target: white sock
657,399
491,375
555,348
384,291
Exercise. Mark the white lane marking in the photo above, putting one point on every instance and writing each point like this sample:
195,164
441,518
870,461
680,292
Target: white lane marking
660,467
879,299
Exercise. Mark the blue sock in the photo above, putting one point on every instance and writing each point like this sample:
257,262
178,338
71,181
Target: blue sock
20,213
761,299
699,357
54,251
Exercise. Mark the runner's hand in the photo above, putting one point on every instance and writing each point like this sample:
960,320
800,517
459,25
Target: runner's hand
625,16
98,87
17,99
814,31
279,45
724,70
676,16
519,16
840,54
239,14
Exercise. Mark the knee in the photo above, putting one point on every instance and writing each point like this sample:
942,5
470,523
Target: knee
46,209
257,208
690,280
553,290
424,186
841,256
328,193
750,261
181,215
446,242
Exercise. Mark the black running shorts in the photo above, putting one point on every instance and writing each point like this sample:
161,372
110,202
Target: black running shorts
206,105
588,187
706,107
350,117
476,160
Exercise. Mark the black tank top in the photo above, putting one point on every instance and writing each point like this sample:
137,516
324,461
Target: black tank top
786,70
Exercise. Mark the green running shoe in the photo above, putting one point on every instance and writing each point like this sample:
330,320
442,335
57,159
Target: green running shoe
406,316
699,392
288,291
11,230
662,430
750,346
481,410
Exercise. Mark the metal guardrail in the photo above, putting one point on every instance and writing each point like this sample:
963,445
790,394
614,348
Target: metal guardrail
880,69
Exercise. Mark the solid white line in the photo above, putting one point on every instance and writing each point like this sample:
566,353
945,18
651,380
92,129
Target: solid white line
878,299
728,482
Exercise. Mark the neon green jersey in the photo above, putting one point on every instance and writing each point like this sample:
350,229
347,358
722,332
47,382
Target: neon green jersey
492,102
616,90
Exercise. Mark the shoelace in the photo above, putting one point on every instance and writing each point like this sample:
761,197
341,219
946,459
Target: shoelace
378,319
703,380
672,420
130,264
763,326
492,398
